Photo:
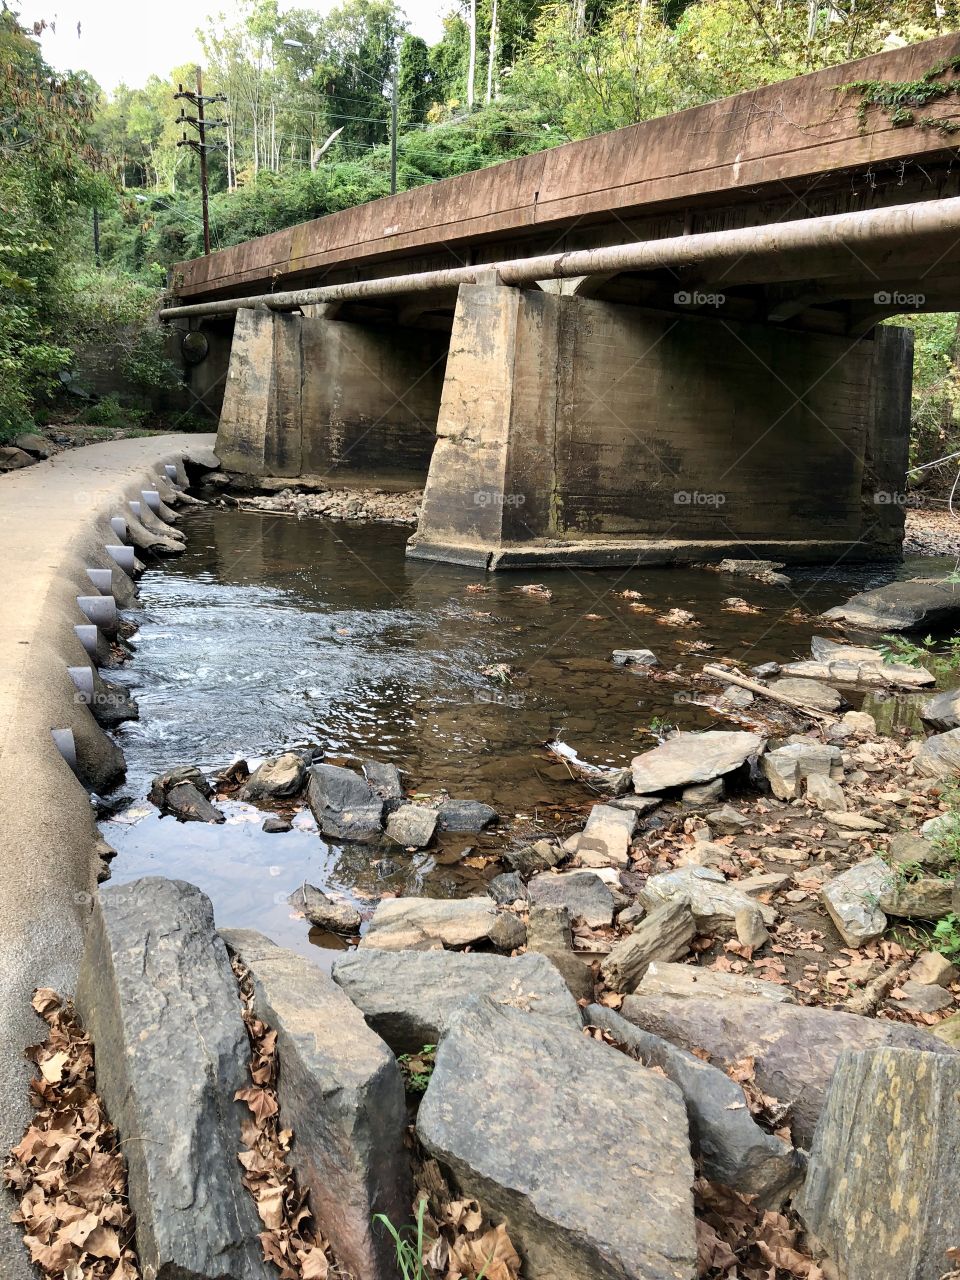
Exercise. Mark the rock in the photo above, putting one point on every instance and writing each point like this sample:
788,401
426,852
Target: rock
762,570
788,766
919,997
605,840
948,1031
184,792
750,929
825,794
664,934
345,805
507,888
276,826
705,853
794,1048
855,724
341,1092
278,778
421,923
896,675
733,1150
823,649
704,794
412,825
942,711
636,804
882,1193
324,912
902,606
34,444
409,997
939,756
853,901
518,1109
158,997
932,968
735,696
690,980
466,815
635,658
852,821
531,858
812,693
910,850
765,670
727,821
584,895
693,757
714,902
549,933
12,459
926,899
943,825
385,781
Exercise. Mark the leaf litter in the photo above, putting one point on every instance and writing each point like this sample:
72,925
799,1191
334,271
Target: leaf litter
68,1171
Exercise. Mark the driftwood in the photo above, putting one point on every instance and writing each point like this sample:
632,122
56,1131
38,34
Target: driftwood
665,934
734,677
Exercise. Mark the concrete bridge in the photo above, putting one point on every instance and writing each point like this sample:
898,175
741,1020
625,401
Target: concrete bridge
661,343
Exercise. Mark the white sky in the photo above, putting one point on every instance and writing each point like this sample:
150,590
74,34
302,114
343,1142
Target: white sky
127,42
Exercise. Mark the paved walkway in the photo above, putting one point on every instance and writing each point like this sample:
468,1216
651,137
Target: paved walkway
53,523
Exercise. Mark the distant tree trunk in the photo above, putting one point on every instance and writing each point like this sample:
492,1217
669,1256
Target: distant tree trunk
472,67
492,54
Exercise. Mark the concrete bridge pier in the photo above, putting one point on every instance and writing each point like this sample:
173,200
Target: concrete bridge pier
578,431
315,396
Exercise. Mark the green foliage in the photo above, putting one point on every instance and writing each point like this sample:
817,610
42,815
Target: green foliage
899,649
109,412
417,1068
946,936
899,98
409,1244
413,81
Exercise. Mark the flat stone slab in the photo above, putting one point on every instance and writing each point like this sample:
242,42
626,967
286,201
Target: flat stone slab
605,840
794,1048
519,1109
902,606
418,924
813,693
847,670
688,980
584,895
158,996
882,1193
345,806
466,815
692,758
409,997
853,901
732,1148
342,1094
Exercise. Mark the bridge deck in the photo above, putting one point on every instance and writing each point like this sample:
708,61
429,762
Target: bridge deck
796,148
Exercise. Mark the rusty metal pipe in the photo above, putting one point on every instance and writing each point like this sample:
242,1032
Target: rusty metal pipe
873,228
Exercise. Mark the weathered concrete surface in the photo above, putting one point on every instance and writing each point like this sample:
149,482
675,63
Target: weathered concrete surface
53,523
341,1093
532,464
692,163
158,996
308,394
519,1109
882,1193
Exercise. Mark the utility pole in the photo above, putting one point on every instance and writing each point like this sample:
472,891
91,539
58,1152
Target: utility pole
200,144
393,133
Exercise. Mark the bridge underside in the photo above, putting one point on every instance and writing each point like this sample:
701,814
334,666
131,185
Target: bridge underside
554,428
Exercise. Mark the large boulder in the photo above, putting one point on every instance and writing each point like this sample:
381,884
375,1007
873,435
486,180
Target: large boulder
276,779
409,997
519,1109
159,999
942,711
584,895
341,1092
902,606
853,901
882,1195
418,924
345,806
939,756
693,757
794,1048
732,1148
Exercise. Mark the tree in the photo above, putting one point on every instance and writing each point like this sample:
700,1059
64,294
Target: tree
413,81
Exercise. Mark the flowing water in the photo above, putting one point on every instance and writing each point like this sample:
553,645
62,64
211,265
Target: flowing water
271,633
